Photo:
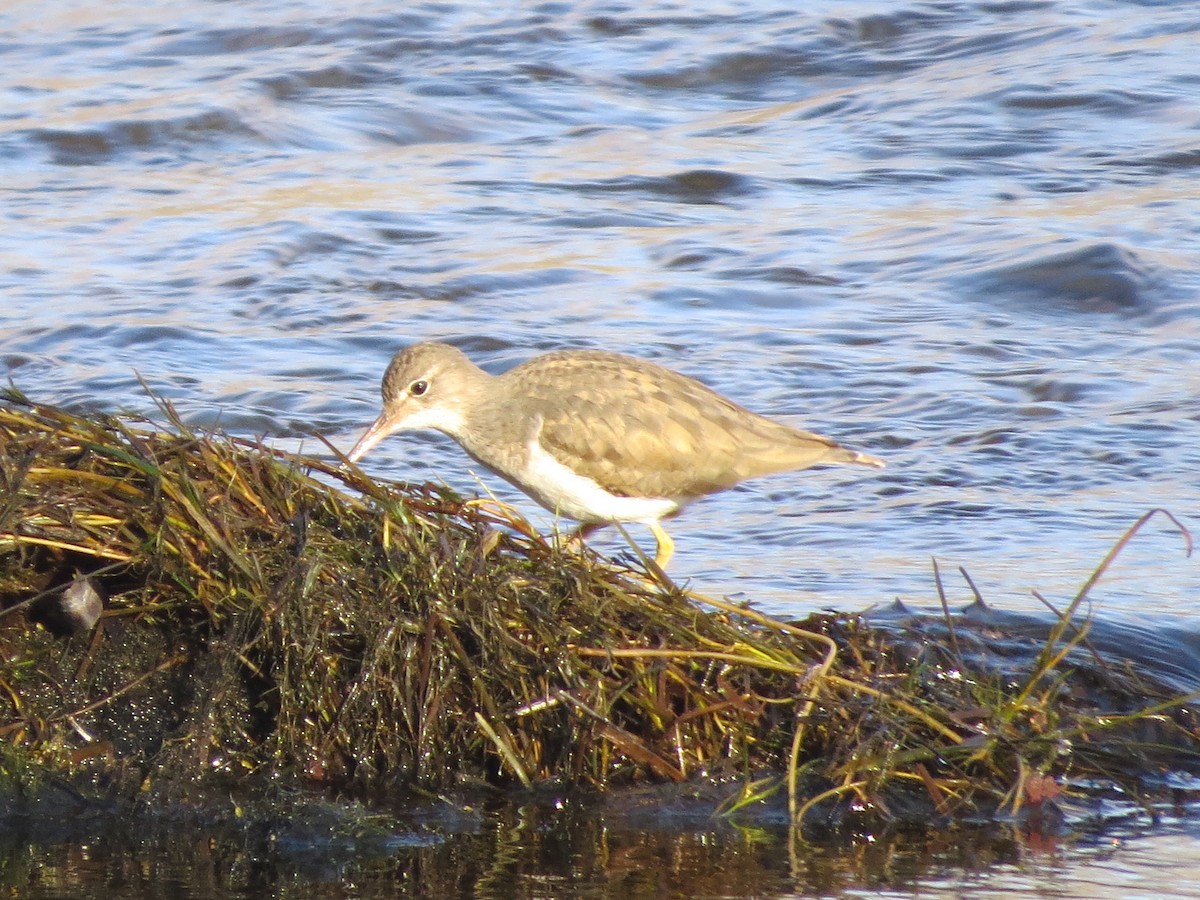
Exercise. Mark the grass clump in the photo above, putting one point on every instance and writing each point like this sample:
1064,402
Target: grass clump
274,615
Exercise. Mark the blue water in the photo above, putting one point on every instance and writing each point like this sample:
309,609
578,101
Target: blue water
962,236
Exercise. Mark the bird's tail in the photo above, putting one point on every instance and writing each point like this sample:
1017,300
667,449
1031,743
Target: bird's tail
853,457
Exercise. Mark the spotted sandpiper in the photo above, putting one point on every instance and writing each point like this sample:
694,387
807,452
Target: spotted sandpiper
594,436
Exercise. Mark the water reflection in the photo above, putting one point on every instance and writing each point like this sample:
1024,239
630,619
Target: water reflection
567,850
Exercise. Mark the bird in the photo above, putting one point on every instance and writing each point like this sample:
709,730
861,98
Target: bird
592,435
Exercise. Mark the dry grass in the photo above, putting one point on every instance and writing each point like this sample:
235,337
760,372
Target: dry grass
271,615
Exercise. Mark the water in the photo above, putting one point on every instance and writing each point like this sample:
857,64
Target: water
542,851
959,235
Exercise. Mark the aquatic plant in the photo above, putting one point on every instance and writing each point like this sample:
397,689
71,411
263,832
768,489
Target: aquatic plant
275,617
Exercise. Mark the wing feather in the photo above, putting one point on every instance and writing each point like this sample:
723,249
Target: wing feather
639,429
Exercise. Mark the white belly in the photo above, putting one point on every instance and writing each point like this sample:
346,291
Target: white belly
572,495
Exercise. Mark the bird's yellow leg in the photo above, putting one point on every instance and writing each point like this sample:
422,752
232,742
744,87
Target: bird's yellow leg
582,533
666,546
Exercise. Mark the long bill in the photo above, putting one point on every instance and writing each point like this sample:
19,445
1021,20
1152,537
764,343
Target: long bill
379,429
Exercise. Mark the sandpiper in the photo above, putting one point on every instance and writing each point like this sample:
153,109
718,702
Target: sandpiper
595,436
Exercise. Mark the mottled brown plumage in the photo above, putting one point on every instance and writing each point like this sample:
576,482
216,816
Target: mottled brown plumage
598,437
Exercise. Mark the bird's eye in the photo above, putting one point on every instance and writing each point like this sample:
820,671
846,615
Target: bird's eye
417,388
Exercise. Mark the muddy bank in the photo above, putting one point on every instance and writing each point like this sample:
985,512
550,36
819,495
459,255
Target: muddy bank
273,628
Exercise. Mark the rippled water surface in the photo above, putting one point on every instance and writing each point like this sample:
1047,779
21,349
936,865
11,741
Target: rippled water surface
962,236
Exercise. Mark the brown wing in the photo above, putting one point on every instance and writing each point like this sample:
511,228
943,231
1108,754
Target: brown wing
639,429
